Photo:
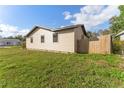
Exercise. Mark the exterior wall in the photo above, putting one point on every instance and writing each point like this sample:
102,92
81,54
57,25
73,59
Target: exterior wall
122,37
81,44
1,43
69,40
65,41
9,43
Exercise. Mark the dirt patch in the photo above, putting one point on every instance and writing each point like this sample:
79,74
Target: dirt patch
98,63
122,57
101,63
121,65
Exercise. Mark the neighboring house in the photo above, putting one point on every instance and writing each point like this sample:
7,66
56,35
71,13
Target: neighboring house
66,39
121,35
9,42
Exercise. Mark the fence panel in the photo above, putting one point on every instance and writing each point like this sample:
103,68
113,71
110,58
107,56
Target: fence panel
102,46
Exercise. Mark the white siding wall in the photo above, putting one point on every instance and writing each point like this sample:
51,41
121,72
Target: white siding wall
65,41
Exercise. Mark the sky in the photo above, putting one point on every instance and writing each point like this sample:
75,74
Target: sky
19,20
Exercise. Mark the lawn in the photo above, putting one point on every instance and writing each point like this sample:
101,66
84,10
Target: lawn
23,68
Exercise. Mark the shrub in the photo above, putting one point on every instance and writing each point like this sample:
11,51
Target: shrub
118,47
23,45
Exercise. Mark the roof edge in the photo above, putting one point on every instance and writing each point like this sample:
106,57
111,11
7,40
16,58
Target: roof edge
56,30
35,27
68,27
120,33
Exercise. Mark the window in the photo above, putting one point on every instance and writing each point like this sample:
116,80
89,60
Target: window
8,43
31,39
42,39
55,37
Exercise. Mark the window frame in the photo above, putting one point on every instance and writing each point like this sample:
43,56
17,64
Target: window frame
31,39
42,39
55,37
8,43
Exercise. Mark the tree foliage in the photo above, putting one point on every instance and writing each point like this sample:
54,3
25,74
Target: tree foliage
118,47
20,37
92,35
105,32
117,23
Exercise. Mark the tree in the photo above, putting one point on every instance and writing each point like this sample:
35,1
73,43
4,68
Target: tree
20,37
104,32
117,23
92,35
10,37
0,35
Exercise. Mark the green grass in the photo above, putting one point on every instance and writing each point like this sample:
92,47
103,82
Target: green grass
23,68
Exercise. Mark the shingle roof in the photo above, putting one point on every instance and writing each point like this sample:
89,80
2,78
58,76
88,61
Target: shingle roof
58,29
37,27
67,27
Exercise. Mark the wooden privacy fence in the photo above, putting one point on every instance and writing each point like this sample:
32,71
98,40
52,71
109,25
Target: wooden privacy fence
101,46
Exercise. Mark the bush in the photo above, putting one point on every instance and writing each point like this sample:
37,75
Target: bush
23,45
118,47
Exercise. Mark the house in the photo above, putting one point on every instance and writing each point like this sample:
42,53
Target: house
121,35
66,39
9,42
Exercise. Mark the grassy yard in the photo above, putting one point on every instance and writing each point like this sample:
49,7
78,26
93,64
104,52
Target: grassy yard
22,68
